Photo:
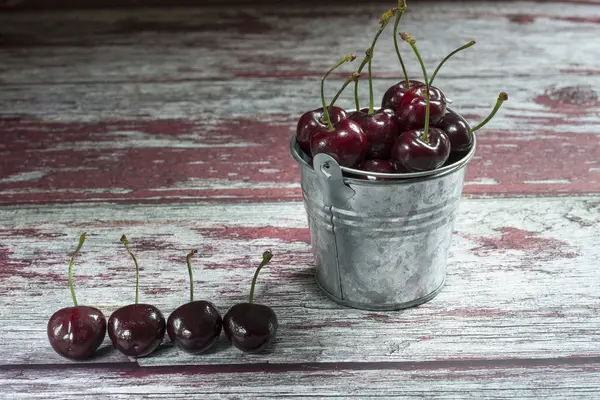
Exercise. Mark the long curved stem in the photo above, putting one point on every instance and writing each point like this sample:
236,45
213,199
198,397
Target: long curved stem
137,268
352,77
401,10
405,36
349,57
189,266
79,246
502,97
267,255
466,46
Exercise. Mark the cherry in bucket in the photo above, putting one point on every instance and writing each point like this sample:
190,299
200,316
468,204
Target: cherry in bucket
195,326
314,121
76,332
380,126
249,326
421,149
137,329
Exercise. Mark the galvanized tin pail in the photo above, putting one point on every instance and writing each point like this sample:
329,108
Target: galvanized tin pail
380,244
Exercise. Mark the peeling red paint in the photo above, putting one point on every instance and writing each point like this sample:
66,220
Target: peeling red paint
288,235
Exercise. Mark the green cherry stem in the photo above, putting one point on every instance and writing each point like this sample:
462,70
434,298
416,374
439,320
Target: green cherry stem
189,266
502,97
408,38
79,246
349,57
466,46
401,9
350,79
137,268
267,255
358,71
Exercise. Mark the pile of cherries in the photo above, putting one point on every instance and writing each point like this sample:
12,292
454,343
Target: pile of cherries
413,131
138,329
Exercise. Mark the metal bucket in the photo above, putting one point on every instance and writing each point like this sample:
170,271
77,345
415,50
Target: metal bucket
380,244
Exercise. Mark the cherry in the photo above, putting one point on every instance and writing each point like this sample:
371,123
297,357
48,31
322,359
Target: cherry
315,121
76,332
136,329
460,133
380,128
412,107
420,149
378,165
394,94
195,326
248,326
345,142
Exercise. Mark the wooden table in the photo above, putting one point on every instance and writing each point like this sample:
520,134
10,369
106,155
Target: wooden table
172,126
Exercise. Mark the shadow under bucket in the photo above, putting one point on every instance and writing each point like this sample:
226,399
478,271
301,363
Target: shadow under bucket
380,244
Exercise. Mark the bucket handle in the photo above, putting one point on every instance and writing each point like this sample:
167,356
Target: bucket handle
335,191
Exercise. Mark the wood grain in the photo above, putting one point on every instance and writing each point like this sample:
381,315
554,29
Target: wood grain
517,285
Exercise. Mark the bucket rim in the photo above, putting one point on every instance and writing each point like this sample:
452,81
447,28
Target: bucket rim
447,169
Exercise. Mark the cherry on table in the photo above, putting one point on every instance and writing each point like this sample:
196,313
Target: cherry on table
76,332
136,329
248,326
195,326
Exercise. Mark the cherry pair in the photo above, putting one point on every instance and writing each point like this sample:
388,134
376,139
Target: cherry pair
138,329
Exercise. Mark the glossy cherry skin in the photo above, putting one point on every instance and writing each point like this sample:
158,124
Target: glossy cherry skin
194,327
392,96
458,131
250,327
411,153
412,107
310,123
384,166
76,332
347,143
380,128
137,329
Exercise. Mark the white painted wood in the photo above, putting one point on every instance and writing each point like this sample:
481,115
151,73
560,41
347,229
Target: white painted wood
518,285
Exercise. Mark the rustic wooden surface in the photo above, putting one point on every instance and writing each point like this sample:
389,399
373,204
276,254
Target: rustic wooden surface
173,127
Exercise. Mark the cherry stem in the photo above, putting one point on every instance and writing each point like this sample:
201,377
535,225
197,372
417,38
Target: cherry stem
137,268
358,71
351,78
267,255
349,57
401,9
189,265
79,246
502,97
405,36
466,46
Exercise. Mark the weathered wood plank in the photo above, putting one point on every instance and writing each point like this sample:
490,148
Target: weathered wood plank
440,382
518,285
200,119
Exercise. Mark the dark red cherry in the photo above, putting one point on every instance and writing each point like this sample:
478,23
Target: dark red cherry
194,327
380,128
413,153
137,329
458,131
384,166
392,96
312,122
412,107
347,143
76,332
250,327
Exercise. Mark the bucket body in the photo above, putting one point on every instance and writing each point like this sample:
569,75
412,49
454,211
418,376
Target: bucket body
379,244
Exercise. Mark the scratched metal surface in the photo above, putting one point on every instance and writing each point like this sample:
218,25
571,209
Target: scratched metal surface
173,126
